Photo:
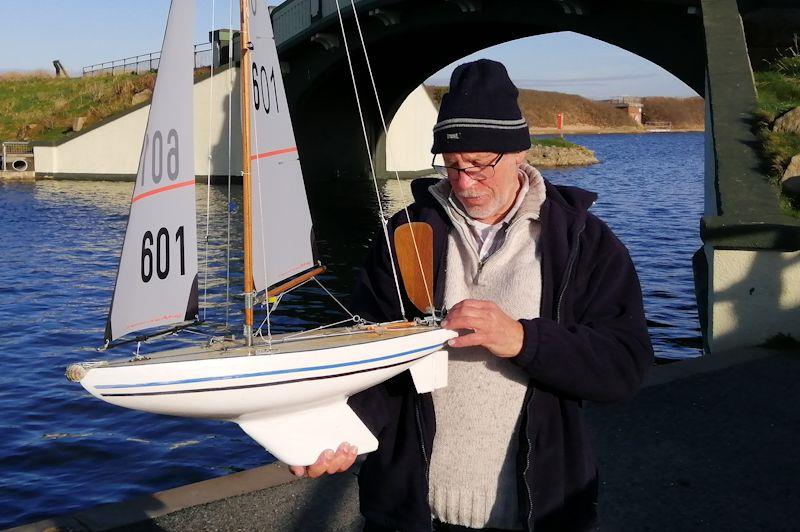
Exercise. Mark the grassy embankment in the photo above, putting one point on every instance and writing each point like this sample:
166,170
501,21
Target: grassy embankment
40,107
583,115
779,92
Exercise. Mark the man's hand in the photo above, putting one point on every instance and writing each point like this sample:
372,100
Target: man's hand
492,328
329,462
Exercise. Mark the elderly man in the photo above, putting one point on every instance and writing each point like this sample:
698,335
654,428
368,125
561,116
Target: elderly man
551,314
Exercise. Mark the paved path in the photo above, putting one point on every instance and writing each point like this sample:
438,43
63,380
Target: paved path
715,451
702,447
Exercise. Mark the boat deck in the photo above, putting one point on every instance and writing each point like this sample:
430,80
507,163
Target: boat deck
281,344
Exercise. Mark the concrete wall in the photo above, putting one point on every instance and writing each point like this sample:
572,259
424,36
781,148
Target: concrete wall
754,295
215,102
408,146
113,148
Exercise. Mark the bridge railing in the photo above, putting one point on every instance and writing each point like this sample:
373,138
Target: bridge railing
625,100
294,16
288,19
146,62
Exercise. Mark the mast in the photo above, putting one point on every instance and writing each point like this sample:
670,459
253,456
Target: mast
244,71
276,213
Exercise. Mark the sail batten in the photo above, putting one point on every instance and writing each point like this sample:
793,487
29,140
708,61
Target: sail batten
157,277
281,219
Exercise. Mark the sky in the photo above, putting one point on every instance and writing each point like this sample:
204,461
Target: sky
85,32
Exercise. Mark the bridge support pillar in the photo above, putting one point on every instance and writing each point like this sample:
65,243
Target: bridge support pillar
748,272
754,296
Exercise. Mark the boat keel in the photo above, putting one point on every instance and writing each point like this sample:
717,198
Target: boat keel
298,438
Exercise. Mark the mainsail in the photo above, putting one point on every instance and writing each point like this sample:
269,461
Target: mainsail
157,277
282,241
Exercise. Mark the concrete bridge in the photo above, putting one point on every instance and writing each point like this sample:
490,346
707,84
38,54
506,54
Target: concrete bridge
410,40
748,271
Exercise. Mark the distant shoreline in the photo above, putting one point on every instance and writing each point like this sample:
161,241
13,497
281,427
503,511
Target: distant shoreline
592,130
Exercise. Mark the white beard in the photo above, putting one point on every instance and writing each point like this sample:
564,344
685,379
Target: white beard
479,212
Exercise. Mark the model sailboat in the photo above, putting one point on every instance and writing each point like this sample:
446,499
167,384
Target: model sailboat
290,393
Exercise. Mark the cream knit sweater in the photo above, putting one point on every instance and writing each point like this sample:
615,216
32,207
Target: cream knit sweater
473,462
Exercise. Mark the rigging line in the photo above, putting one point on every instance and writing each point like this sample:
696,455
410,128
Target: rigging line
265,303
396,174
334,298
261,231
231,71
254,126
294,335
208,166
278,299
371,163
198,333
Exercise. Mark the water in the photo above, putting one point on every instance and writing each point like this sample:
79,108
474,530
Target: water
651,194
64,450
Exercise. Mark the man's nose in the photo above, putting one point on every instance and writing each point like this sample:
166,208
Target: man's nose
460,180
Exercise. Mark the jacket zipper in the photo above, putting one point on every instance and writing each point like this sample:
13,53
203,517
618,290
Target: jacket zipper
529,455
529,460
418,417
570,265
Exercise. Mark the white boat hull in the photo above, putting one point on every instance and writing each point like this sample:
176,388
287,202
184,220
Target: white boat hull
291,401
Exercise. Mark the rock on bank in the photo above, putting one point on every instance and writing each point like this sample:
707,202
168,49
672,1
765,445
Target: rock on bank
551,156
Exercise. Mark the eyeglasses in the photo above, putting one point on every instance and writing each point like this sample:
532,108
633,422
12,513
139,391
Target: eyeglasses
478,172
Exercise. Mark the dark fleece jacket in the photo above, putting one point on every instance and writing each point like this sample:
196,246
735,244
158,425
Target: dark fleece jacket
589,343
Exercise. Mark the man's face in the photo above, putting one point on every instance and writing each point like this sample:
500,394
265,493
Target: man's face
490,198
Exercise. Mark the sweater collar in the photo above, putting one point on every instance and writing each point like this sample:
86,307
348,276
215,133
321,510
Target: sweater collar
527,205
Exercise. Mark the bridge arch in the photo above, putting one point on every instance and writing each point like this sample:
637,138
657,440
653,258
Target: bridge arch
579,50
409,41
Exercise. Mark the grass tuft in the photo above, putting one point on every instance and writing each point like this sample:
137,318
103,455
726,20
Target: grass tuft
779,92
553,141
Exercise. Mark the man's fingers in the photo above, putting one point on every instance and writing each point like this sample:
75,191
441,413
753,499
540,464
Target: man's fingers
329,462
467,340
341,460
480,312
474,323
473,304
350,458
466,312
321,465
298,471
491,327
336,463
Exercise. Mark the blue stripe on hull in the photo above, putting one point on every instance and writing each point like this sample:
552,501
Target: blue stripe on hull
262,384
265,373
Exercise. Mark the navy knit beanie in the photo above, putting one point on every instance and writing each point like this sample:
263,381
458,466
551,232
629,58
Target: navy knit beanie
480,113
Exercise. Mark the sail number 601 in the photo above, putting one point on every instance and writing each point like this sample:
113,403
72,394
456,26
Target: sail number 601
160,261
261,83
